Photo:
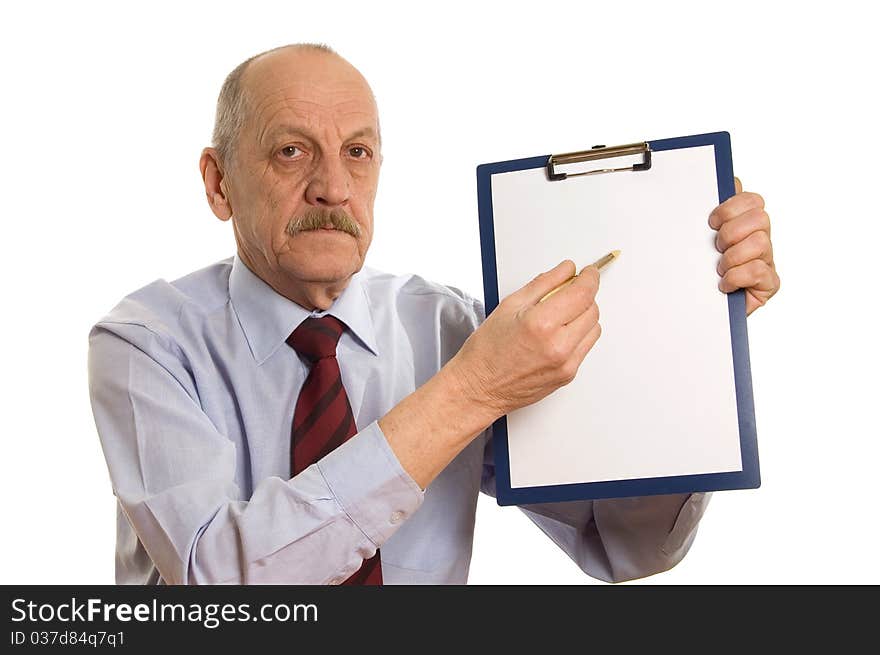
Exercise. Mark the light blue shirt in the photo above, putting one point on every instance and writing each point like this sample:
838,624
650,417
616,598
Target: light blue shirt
193,390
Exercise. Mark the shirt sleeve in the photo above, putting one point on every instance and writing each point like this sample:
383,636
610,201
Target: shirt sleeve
616,539
173,474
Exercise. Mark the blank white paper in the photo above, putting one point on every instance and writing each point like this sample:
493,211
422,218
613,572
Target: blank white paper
655,397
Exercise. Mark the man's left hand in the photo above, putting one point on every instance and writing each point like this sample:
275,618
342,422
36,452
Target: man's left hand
743,240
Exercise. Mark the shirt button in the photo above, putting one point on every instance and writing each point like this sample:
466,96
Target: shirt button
397,517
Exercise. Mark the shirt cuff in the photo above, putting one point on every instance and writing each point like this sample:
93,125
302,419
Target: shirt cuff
370,484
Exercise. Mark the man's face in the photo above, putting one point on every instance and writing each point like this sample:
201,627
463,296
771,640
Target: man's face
307,159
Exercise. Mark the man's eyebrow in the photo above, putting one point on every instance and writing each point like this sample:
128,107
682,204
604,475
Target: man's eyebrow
281,130
366,131
292,129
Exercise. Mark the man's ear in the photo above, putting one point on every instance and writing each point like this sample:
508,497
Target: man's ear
215,186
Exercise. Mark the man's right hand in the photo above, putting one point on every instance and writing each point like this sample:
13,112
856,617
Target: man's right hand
524,350
527,349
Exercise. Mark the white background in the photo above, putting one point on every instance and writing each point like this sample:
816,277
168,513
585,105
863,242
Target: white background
106,107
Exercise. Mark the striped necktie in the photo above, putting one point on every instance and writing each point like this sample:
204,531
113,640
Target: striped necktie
323,420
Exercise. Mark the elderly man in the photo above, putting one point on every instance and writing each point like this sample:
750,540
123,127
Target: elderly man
289,416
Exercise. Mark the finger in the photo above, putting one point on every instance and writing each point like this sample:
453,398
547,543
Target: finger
755,246
544,283
587,343
575,331
737,185
756,274
737,229
573,300
733,207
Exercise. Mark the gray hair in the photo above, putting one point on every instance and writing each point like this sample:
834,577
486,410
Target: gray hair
232,103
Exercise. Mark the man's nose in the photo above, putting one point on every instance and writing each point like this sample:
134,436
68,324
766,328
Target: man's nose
329,185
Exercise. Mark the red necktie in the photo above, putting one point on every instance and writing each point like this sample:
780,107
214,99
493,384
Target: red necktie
323,420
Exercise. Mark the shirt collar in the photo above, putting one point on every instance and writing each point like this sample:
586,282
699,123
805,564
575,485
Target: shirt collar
268,318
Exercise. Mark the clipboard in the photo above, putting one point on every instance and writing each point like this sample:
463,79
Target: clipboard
663,402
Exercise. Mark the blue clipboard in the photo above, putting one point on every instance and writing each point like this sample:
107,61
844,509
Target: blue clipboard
749,475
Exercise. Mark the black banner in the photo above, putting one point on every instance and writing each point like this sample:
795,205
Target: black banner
139,618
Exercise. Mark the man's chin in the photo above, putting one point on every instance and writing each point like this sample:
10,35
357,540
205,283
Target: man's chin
320,269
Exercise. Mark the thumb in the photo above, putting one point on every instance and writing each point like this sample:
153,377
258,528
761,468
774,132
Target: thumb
545,283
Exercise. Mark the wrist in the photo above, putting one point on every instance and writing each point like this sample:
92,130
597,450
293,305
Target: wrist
462,387
428,428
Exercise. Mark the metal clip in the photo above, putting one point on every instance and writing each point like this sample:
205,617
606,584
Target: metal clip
600,152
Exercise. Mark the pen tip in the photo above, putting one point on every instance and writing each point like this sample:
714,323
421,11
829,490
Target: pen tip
616,253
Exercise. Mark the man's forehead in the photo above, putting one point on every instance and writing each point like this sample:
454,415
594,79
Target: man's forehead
306,78
286,113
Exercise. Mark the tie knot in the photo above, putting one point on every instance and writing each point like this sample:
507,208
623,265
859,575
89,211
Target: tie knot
316,338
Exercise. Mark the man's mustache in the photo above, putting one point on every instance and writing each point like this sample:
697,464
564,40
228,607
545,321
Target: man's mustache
315,219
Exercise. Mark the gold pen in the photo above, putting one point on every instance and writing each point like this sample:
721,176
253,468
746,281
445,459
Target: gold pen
599,263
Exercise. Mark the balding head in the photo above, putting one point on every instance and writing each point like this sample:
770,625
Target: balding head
233,102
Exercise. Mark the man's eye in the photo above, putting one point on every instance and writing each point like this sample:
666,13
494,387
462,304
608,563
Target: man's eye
290,151
359,152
